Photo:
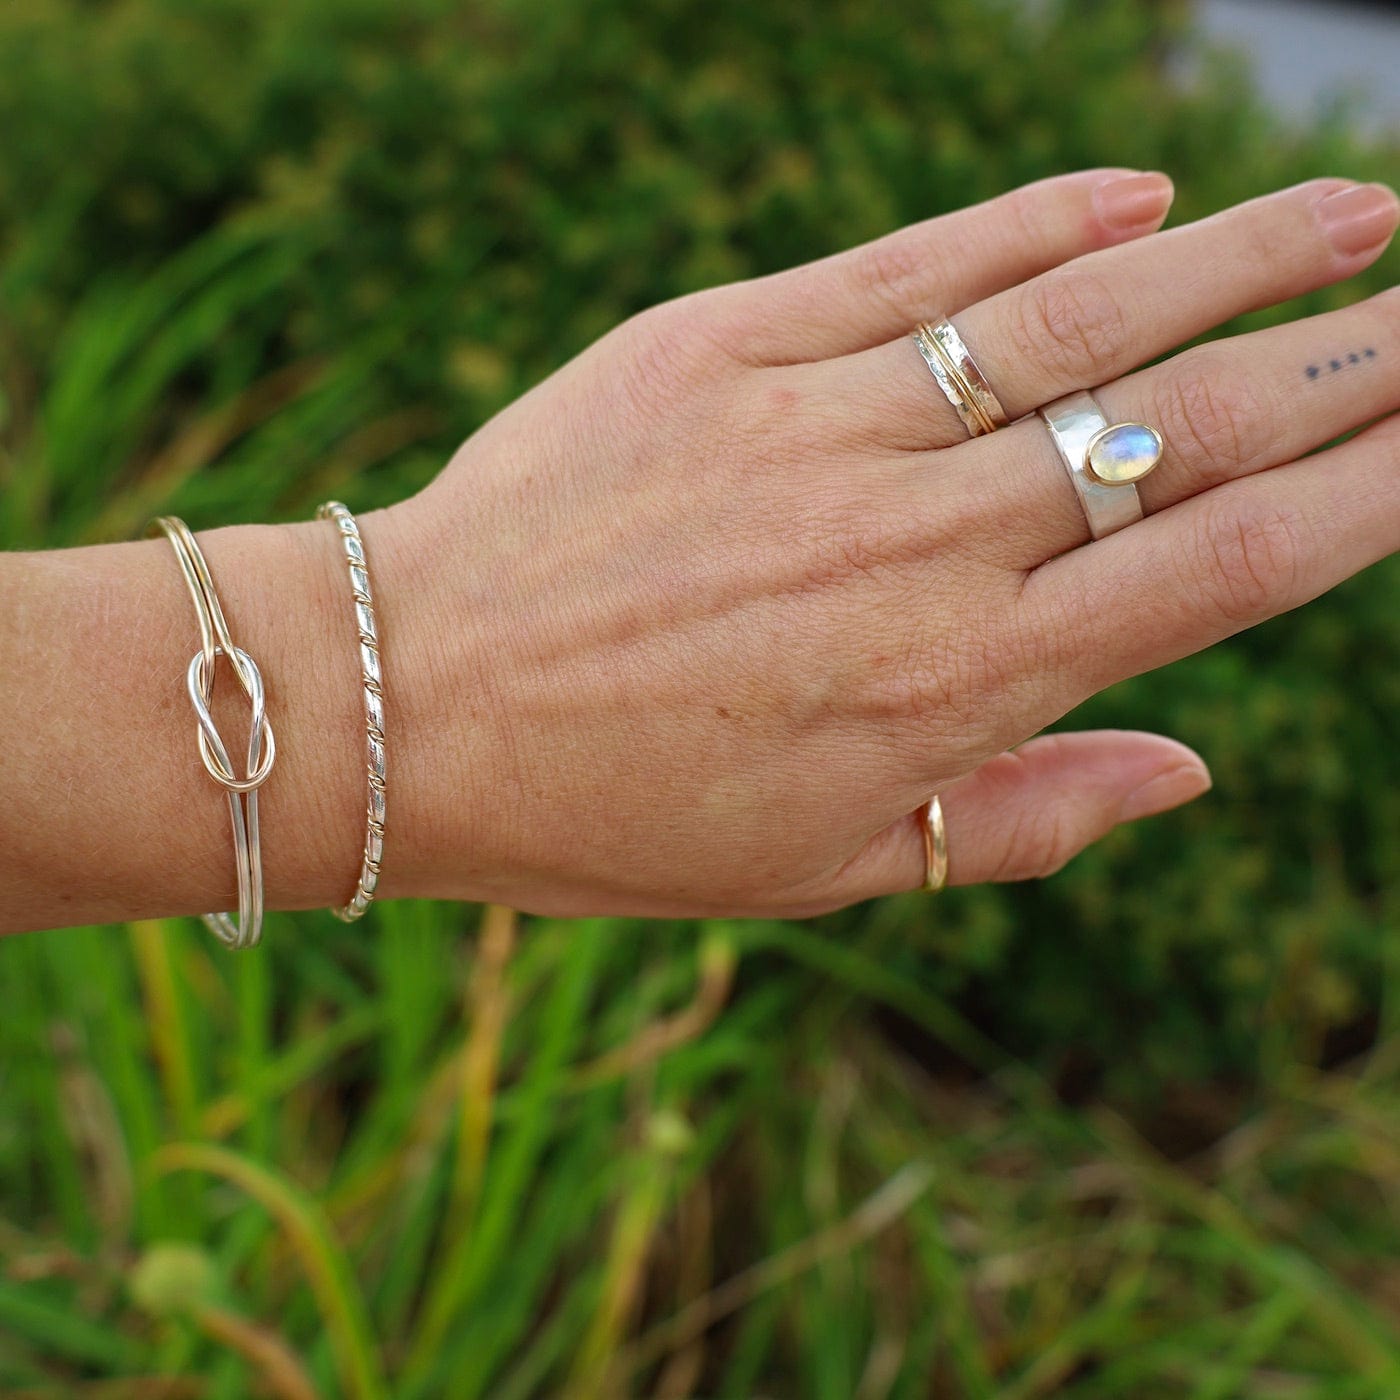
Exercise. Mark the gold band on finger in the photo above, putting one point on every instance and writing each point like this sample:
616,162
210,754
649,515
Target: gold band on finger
963,384
935,846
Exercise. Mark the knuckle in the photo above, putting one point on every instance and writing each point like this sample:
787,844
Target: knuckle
1038,844
649,367
820,532
709,323
845,551
945,690
1271,244
1021,212
1250,561
1384,440
661,357
894,269
1075,322
1215,416
936,694
794,426
811,542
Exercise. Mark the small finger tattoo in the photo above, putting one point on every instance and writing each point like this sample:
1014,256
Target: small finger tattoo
1354,357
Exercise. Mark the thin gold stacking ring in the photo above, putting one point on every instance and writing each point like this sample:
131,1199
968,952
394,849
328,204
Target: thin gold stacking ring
963,384
935,846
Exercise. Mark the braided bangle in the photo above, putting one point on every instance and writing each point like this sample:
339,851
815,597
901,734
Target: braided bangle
214,640
374,706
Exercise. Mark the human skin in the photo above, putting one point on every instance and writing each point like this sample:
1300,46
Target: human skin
696,625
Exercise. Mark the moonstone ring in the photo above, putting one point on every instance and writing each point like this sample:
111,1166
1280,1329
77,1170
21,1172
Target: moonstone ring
1103,459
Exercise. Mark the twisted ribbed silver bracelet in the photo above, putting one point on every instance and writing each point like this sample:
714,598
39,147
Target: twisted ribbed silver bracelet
374,705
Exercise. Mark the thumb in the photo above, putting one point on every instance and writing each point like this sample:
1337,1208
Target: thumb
1023,814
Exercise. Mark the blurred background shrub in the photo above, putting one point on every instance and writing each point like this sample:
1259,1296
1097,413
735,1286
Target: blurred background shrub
252,254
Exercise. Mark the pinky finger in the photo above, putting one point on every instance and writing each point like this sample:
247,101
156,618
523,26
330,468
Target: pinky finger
1022,815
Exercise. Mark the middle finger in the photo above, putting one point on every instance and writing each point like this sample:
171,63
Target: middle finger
1226,409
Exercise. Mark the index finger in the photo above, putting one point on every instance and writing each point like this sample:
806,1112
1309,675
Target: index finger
872,293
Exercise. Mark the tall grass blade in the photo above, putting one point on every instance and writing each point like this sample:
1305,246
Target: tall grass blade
326,1268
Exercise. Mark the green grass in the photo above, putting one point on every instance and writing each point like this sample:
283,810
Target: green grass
596,1157
1132,1132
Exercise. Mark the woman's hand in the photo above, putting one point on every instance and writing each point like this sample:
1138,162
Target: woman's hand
696,625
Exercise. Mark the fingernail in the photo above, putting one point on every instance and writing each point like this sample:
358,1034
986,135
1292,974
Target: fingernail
1358,219
1165,791
1132,201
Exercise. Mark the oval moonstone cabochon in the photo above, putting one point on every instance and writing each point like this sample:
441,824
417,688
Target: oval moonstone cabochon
1122,453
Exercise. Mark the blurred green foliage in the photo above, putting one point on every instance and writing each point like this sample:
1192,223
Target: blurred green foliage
252,254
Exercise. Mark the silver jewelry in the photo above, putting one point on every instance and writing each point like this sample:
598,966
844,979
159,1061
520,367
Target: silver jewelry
1103,459
374,706
935,846
963,384
214,640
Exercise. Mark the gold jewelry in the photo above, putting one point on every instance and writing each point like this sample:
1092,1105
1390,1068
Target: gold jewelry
374,706
963,384
1104,459
935,846
214,640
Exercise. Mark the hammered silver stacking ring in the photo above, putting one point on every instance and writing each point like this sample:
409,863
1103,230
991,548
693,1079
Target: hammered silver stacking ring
956,373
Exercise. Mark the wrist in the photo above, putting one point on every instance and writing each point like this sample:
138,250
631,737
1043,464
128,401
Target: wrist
106,808
286,593
301,608
448,828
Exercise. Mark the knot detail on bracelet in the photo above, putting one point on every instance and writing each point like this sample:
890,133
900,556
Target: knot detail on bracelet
216,640
262,748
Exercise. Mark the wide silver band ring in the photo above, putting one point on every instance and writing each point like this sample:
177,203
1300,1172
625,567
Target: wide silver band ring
1104,459
957,375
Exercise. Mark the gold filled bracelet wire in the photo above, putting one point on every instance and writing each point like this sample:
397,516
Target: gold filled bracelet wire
215,640
371,679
